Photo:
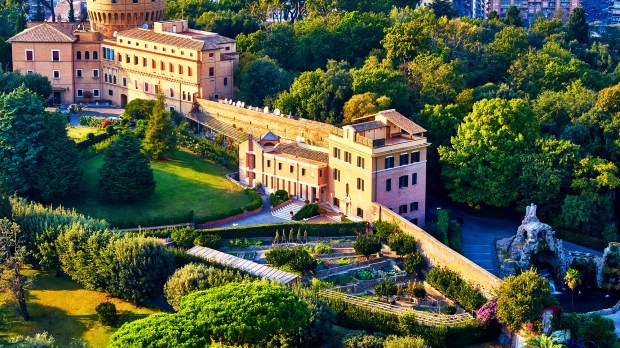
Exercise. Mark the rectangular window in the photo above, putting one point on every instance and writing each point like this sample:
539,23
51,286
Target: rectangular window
135,83
144,62
347,157
402,209
153,64
414,179
303,171
171,92
320,173
290,169
55,55
337,152
189,71
146,86
225,81
336,202
78,72
171,67
110,92
210,54
336,174
124,82
388,185
415,157
413,206
29,55
360,212
162,66
80,93
127,59
403,181
180,69
404,159
268,163
279,166
96,73
211,72
56,74
360,184
96,93
360,162
389,162
135,60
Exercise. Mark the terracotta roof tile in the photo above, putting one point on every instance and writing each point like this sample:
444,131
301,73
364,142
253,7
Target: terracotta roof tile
198,43
296,150
402,121
44,33
366,126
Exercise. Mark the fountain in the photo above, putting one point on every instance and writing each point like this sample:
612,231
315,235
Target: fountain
553,290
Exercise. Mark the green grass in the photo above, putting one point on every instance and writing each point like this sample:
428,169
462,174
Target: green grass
79,133
67,311
185,182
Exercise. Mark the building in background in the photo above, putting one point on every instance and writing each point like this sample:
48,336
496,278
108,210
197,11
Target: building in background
529,8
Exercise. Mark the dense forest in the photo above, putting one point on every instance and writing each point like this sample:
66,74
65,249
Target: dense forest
515,114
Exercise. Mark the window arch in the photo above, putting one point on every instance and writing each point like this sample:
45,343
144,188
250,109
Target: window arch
78,55
95,55
114,79
86,55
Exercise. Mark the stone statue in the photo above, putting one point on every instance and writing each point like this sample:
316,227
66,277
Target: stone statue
530,214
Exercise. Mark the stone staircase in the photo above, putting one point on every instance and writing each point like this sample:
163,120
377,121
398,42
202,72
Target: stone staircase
285,211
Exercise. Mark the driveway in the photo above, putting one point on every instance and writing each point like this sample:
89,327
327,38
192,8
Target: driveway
480,234
264,217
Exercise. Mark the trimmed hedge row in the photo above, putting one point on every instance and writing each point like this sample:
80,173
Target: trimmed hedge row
95,121
322,229
361,318
86,143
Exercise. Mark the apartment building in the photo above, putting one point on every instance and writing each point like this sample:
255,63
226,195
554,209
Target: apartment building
381,158
529,8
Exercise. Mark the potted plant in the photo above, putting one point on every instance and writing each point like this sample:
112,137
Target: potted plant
87,96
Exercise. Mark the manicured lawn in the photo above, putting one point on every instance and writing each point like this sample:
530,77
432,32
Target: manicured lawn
67,311
79,133
186,182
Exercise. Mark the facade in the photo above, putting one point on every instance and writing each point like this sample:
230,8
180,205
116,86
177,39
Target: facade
529,8
128,53
614,12
382,159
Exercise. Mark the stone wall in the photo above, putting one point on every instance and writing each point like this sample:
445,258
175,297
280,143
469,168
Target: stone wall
439,254
259,123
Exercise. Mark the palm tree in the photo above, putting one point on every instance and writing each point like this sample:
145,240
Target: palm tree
572,280
543,341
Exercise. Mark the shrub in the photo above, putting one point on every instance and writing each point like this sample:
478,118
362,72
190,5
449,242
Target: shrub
361,339
385,229
414,263
322,249
298,259
184,237
278,197
402,244
91,140
449,309
386,288
393,341
367,245
96,121
454,287
107,313
326,229
256,201
343,262
212,241
105,123
161,330
307,211
589,328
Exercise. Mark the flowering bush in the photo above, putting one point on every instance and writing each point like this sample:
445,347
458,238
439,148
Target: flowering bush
487,314
105,123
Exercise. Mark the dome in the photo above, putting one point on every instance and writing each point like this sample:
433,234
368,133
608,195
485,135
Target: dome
108,16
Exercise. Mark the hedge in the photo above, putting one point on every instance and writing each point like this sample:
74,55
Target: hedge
456,288
307,211
95,121
361,318
86,143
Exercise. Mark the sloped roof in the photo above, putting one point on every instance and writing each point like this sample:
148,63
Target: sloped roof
402,121
208,41
243,265
366,126
298,151
269,136
44,33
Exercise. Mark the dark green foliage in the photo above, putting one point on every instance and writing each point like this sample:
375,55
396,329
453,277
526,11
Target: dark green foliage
248,313
138,109
194,277
578,28
227,23
126,175
160,138
386,288
139,268
212,241
418,291
226,157
161,330
454,287
443,8
184,237
107,313
36,83
58,172
590,328
278,197
587,271
513,17
307,211
298,259
449,309
367,245
385,229
402,244
21,130
414,263
91,140
5,206
361,339
262,80
96,121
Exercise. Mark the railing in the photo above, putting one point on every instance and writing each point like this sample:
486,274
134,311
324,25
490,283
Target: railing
424,318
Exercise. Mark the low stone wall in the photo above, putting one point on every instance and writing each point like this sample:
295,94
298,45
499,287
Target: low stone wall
210,224
439,254
259,123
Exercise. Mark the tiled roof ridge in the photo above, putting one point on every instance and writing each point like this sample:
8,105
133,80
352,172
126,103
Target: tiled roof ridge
43,26
401,121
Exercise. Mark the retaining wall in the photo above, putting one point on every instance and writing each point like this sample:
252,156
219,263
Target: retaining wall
439,254
259,123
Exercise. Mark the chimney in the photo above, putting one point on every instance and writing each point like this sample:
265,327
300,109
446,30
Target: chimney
250,142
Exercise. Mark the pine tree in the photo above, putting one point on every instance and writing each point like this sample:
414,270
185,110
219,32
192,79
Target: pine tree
126,174
39,15
12,257
160,139
578,28
513,17
58,171
71,11
22,120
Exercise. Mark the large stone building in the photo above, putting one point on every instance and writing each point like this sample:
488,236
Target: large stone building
382,159
529,8
127,53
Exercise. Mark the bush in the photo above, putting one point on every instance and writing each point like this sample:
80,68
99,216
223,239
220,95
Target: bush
327,229
361,339
307,211
184,237
385,229
589,328
404,342
256,201
450,310
367,245
91,139
206,148
419,292
414,263
107,313
402,244
298,259
278,197
96,121
454,287
212,241
386,288
322,249
343,262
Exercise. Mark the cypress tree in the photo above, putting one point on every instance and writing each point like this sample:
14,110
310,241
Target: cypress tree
513,17
160,139
578,28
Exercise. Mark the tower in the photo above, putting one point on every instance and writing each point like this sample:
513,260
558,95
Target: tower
108,16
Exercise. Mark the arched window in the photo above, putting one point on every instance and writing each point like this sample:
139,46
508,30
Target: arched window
79,55
225,81
114,78
87,55
183,95
105,77
95,55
